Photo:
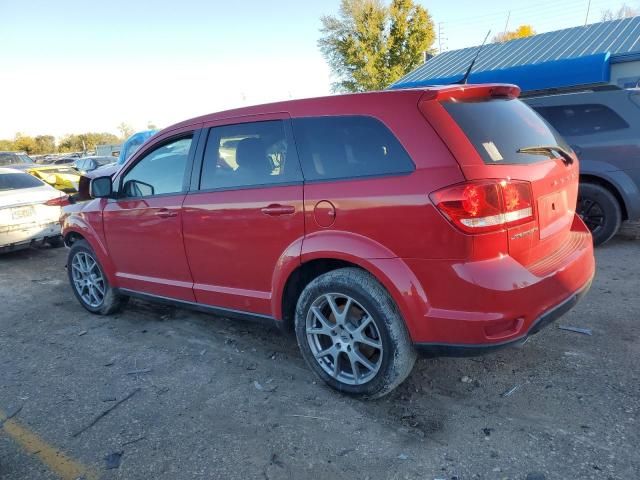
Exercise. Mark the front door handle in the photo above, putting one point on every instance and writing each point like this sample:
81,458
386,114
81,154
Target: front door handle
277,209
166,213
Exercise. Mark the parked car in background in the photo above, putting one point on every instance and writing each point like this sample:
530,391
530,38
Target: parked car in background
376,226
29,211
15,159
62,177
603,128
88,164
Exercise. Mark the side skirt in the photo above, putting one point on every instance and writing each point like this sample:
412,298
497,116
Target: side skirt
198,307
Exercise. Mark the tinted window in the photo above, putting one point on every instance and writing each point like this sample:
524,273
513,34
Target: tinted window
348,147
159,172
248,154
15,181
498,128
573,120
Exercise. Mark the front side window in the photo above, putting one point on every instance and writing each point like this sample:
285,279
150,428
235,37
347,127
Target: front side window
248,154
575,120
348,147
160,172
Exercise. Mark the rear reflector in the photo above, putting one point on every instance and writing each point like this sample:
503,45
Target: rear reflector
58,202
486,205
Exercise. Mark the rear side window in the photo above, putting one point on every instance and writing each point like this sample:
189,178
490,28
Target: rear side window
348,147
248,154
575,120
17,181
498,128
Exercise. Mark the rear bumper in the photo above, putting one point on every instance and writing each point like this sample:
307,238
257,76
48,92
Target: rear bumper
19,236
495,302
550,316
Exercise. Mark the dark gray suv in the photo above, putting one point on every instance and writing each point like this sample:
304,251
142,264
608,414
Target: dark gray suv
603,127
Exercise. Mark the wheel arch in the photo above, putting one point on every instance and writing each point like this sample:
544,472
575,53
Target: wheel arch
326,251
75,229
603,182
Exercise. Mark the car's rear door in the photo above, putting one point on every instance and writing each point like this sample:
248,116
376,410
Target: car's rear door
244,213
143,225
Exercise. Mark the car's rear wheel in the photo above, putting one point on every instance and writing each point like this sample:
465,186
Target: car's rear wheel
352,335
600,211
89,283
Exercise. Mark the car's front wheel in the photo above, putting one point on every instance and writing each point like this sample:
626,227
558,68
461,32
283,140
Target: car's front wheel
352,335
89,283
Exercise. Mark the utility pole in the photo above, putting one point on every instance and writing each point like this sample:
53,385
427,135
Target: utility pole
506,25
586,19
441,37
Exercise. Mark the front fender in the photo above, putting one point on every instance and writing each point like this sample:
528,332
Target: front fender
82,223
392,272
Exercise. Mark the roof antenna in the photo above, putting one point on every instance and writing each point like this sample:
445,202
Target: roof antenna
463,80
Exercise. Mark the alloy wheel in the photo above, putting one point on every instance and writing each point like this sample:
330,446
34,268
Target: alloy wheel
591,213
344,339
88,279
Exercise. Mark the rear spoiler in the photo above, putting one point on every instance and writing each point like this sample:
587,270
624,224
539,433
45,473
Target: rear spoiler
471,92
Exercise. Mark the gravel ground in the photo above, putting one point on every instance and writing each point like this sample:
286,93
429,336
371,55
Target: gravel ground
217,398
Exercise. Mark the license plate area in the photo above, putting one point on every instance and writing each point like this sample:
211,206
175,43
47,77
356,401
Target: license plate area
552,213
20,213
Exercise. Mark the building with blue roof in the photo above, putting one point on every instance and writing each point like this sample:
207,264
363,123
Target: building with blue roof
597,55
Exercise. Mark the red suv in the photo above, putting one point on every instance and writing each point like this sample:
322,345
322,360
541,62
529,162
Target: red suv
438,221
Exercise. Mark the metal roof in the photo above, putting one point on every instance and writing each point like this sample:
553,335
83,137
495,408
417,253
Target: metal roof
619,38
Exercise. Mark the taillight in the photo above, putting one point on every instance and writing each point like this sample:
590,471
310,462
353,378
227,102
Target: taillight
59,201
486,205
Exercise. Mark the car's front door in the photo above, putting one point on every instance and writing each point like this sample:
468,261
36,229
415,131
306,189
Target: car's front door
246,212
143,225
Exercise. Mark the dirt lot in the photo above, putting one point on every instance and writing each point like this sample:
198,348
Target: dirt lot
216,398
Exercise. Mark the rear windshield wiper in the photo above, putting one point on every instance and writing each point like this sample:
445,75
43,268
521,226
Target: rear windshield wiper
548,149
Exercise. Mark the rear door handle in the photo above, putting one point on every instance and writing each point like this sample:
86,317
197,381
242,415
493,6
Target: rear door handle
166,213
276,209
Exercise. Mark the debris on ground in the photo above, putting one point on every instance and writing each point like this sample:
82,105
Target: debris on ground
535,476
466,379
510,392
584,331
112,460
135,440
83,332
136,372
110,362
262,388
106,412
403,456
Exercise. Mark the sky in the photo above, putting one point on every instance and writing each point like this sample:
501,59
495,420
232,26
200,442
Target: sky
74,66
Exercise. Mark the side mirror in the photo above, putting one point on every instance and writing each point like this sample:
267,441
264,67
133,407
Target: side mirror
101,187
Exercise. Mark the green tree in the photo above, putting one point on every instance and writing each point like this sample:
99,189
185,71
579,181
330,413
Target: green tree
6,145
523,31
369,45
86,141
126,130
24,143
45,144
625,11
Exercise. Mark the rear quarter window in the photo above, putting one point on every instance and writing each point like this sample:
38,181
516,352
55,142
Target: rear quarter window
338,147
587,119
498,128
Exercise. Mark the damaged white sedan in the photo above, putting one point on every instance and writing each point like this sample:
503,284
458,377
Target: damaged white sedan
29,211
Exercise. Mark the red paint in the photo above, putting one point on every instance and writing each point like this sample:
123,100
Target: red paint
237,248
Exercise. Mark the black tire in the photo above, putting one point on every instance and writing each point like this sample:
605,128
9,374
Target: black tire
600,211
55,242
112,301
396,357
